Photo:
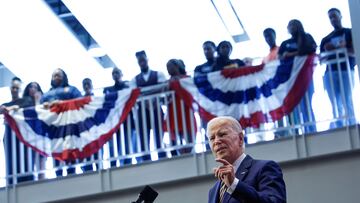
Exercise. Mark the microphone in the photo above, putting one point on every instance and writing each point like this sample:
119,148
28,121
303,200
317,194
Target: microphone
147,195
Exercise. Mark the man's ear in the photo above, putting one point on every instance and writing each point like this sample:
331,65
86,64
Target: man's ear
241,136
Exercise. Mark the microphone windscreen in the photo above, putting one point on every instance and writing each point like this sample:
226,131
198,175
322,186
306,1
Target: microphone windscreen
148,194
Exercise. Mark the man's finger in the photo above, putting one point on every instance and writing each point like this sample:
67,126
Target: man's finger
224,171
223,161
225,166
216,171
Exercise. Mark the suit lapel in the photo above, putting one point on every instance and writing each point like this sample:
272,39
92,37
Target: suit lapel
240,174
244,168
217,191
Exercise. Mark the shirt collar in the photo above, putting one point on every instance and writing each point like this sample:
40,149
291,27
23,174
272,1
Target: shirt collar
146,73
238,161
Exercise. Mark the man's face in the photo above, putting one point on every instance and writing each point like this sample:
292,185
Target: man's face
335,19
15,88
116,74
209,51
224,50
143,63
269,38
225,142
87,86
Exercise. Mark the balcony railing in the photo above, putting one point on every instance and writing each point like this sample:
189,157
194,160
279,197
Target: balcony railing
160,127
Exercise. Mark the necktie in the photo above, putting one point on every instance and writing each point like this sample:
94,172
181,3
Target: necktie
223,188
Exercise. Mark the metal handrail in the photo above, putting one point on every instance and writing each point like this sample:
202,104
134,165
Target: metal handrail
141,135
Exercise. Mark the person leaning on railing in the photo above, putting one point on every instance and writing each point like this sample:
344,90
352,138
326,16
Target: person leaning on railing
146,78
119,85
34,92
15,103
300,44
270,38
335,77
223,60
60,90
209,50
87,86
176,70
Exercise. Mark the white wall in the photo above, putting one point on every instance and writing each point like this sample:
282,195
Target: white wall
354,6
330,179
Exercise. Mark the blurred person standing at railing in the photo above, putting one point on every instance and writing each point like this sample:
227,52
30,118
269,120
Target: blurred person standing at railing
209,49
339,81
151,119
300,44
181,128
60,90
119,84
16,100
12,154
34,92
270,38
87,86
223,60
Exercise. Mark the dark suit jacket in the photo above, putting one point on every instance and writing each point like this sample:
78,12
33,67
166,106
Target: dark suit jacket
259,181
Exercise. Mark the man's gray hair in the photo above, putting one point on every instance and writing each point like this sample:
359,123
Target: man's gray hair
232,122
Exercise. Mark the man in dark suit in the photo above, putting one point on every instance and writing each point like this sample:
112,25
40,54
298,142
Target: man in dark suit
240,177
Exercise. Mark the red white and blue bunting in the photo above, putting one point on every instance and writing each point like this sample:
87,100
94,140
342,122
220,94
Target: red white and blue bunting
78,128
74,128
253,95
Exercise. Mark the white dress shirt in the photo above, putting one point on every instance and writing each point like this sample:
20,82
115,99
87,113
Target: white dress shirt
236,165
160,77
